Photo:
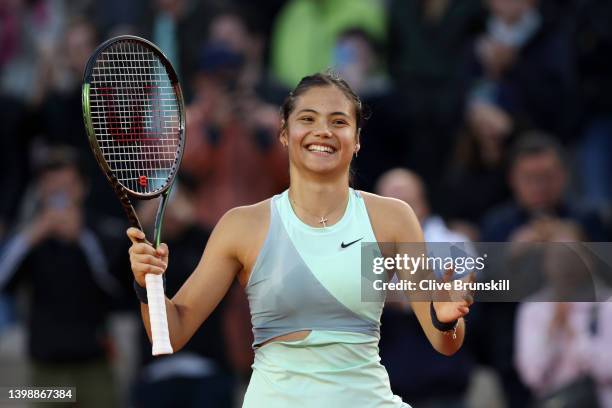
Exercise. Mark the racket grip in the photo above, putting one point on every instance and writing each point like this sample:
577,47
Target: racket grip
157,314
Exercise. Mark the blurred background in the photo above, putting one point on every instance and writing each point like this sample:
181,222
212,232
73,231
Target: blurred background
492,118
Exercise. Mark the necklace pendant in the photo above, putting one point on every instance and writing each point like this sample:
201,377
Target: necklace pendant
323,221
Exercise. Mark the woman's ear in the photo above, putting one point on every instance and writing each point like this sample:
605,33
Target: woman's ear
283,137
357,145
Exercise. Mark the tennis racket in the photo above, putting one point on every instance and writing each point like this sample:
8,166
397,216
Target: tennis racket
135,120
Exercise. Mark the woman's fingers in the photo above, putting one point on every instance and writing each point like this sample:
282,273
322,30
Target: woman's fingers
162,250
146,264
142,249
144,258
149,260
141,269
135,235
463,310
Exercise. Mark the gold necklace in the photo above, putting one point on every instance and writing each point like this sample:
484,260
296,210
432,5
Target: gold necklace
323,219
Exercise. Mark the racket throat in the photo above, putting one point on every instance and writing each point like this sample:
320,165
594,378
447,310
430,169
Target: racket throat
160,216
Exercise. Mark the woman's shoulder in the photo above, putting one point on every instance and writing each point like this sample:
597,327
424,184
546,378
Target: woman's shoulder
247,217
392,219
388,205
243,228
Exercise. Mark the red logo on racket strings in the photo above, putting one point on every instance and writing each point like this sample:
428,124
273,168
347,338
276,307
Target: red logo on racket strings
125,113
143,181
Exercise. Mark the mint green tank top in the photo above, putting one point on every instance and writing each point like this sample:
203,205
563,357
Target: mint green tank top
308,278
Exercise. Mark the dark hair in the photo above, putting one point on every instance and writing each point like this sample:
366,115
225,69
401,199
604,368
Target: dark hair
533,143
322,79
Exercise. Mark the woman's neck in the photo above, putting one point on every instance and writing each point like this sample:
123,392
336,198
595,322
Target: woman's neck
319,199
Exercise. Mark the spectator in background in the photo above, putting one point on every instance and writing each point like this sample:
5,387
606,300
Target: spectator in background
358,57
178,27
65,261
305,33
59,118
407,186
442,381
28,29
202,374
239,30
522,62
560,343
537,176
232,149
474,180
427,45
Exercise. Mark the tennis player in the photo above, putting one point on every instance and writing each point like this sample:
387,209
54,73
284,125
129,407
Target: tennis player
297,255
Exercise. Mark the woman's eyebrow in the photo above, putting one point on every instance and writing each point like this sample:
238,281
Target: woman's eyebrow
309,110
339,113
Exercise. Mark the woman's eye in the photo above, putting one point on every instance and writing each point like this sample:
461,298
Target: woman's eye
306,119
339,122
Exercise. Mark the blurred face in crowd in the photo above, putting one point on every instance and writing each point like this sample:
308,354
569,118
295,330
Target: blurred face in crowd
354,59
61,188
321,131
406,186
230,30
510,11
538,180
491,126
80,43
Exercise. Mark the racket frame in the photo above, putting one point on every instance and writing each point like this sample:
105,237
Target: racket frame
124,193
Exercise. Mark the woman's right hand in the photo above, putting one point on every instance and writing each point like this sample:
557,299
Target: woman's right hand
144,258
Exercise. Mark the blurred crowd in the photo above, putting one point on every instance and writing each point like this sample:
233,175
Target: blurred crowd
492,118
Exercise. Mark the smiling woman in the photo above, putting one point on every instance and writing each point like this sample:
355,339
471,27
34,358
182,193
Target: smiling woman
316,340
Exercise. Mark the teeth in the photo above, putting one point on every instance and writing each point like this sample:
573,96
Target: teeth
319,148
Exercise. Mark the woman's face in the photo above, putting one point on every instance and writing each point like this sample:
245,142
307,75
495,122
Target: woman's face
321,131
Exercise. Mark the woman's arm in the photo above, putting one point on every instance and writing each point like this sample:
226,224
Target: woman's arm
396,222
206,286
447,311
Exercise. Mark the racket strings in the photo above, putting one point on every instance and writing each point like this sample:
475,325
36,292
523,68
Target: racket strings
135,114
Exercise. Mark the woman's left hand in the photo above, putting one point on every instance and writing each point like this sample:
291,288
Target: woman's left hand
458,304
448,312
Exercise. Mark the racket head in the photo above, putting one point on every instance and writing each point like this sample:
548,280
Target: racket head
134,115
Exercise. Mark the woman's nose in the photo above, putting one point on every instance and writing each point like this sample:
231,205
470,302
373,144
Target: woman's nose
323,131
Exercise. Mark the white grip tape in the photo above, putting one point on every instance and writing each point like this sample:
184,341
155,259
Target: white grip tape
157,314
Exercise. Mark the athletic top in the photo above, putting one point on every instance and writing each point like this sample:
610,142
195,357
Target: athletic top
308,278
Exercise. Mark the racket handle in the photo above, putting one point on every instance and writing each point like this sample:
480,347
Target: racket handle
157,314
